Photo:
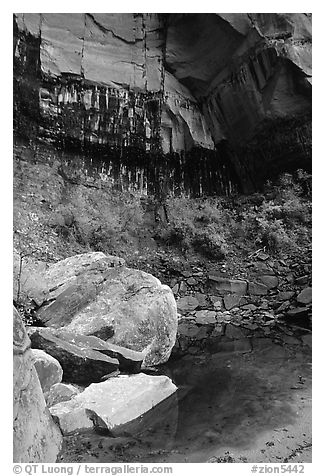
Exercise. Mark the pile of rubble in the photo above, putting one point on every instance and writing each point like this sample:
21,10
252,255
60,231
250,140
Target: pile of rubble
270,300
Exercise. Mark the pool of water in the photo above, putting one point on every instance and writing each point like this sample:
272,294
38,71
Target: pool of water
224,401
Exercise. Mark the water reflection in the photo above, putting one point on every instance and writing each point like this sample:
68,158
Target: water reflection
222,400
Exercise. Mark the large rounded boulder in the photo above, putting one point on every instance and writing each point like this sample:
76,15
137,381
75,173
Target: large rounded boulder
94,294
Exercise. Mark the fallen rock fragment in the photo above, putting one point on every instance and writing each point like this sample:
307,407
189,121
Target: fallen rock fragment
48,369
113,403
257,289
305,297
80,365
203,299
262,256
302,280
61,392
187,304
205,317
271,282
37,439
129,360
231,301
285,295
235,286
284,306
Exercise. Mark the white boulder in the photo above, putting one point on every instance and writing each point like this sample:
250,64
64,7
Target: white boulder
112,403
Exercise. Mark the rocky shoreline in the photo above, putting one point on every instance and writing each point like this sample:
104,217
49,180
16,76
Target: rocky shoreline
270,301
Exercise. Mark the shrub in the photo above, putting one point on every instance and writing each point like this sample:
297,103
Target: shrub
97,220
177,233
194,225
210,243
272,235
281,221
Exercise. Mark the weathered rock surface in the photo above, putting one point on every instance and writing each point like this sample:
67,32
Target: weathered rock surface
113,403
37,439
48,369
61,392
80,364
129,360
70,284
258,289
270,282
231,301
170,83
285,295
284,306
305,297
223,285
128,307
187,303
205,317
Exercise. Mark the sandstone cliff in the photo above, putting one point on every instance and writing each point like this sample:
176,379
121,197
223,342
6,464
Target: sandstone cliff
227,96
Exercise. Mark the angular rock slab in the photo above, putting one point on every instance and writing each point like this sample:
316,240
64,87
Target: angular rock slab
113,403
305,297
89,298
48,369
61,392
271,282
36,438
187,303
231,300
285,295
205,317
129,360
80,364
225,285
257,289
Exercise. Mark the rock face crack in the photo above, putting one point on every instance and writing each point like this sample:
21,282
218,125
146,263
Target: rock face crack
140,65
107,30
83,50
